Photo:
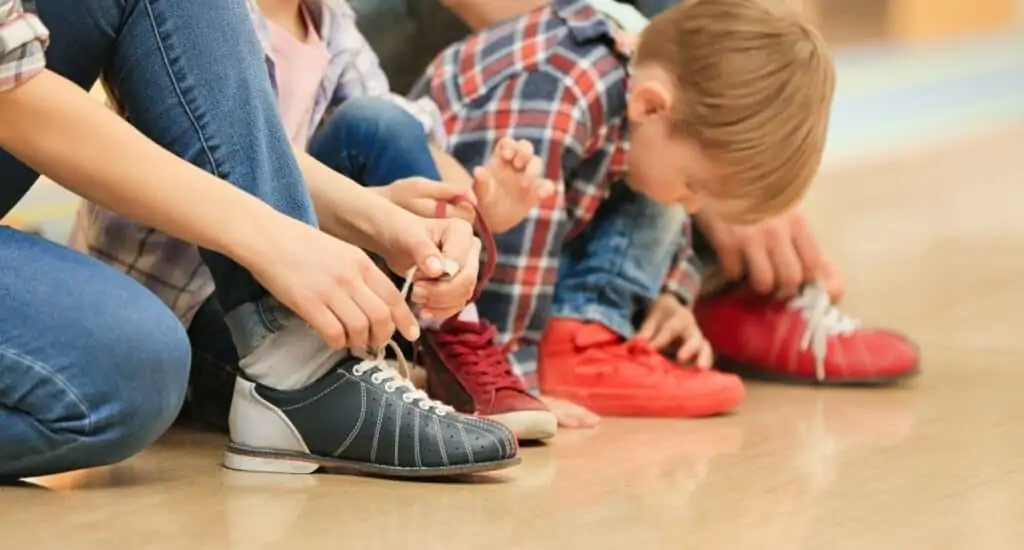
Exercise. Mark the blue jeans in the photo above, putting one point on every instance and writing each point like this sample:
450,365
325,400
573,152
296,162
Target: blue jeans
370,140
92,366
650,8
170,63
612,271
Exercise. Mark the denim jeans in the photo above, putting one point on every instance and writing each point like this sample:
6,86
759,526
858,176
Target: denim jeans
92,365
650,8
191,76
370,140
612,271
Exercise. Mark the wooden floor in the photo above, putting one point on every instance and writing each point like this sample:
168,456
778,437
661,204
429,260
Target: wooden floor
932,242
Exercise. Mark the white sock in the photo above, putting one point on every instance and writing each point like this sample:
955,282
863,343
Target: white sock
291,358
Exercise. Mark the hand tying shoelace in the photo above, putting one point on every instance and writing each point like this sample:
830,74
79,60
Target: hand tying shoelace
392,378
823,320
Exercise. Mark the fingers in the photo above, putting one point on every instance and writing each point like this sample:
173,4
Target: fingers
728,250
441,299
325,323
357,327
669,331
706,357
759,266
806,247
381,326
523,155
789,271
398,313
444,192
506,149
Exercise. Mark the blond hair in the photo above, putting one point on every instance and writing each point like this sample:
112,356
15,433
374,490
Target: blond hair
755,83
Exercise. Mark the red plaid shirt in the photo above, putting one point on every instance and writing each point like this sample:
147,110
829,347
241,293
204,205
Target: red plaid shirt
553,77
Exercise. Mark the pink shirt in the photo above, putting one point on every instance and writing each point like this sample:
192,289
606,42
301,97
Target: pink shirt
300,67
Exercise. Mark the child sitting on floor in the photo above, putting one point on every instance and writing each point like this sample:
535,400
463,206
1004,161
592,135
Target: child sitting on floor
724,105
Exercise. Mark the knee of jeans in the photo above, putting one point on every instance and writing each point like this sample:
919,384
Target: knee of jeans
374,118
142,404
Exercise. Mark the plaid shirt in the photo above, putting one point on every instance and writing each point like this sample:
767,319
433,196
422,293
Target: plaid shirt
553,77
172,269
23,40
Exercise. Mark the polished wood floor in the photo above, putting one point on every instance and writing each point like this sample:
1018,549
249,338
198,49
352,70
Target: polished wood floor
932,242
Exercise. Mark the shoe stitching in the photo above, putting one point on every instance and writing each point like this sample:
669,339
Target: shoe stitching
359,423
376,431
314,398
416,439
440,441
465,441
398,428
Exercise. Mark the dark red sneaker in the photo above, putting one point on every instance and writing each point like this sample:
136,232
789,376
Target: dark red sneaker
590,365
467,369
806,339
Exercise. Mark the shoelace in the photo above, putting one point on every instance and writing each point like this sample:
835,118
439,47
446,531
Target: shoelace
394,379
481,357
823,319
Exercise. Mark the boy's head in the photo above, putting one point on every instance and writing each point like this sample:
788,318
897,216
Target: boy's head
728,106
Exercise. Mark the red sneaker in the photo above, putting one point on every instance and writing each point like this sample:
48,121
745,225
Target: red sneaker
590,365
468,370
806,339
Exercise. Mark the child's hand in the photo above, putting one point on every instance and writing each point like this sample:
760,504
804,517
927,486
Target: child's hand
421,197
671,324
509,185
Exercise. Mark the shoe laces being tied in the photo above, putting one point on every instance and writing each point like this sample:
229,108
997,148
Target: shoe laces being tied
392,378
823,319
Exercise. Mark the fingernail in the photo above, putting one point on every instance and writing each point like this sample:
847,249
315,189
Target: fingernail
434,265
414,332
419,295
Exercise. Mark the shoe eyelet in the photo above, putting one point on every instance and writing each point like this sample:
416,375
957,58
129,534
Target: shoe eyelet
407,398
376,379
359,370
389,388
423,405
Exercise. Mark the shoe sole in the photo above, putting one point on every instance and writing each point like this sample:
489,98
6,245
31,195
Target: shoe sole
748,372
627,406
237,457
529,425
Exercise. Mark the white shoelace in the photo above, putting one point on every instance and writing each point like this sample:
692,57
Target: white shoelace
823,320
394,379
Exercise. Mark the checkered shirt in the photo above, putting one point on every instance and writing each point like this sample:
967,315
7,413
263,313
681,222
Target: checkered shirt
554,77
23,40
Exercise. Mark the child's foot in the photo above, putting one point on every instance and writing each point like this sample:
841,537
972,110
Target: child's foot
588,364
806,339
361,417
467,369
569,414
509,185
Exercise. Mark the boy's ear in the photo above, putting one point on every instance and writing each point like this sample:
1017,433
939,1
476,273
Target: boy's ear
648,99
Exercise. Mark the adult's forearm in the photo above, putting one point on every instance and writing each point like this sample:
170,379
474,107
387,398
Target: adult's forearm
58,130
349,211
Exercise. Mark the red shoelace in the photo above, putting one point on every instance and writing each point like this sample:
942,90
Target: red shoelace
472,347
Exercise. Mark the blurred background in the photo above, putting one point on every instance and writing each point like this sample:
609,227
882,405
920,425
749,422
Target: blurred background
911,73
